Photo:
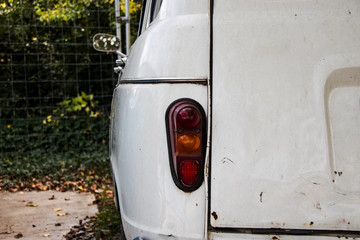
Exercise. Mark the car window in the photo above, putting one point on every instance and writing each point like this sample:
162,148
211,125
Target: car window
144,21
141,23
150,10
155,8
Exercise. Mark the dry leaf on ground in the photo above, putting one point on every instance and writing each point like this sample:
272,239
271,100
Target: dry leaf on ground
62,214
19,235
32,205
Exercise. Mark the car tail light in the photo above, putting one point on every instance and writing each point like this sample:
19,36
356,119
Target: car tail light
185,123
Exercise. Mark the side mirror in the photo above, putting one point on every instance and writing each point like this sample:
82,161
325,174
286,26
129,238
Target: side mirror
109,43
106,42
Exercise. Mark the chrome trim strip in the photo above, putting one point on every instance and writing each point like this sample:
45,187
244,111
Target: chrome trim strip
164,80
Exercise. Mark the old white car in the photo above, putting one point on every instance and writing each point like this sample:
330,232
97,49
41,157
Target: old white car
240,119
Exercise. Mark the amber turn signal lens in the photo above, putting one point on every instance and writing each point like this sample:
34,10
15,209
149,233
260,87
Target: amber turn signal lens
188,143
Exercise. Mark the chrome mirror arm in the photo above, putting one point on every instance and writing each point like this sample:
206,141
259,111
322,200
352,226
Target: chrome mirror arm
120,63
121,54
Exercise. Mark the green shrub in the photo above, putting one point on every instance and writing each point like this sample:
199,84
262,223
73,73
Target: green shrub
73,137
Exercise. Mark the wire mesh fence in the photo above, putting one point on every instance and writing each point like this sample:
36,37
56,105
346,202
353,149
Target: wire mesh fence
55,89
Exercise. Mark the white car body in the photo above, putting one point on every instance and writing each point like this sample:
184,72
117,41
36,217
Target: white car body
279,82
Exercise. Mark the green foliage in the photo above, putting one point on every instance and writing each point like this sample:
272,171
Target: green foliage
75,137
82,105
42,58
66,10
48,125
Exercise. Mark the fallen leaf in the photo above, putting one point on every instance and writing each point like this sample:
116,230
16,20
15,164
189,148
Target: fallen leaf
21,201
67,199
52,197
19,235
110,193
57,209
57,224
32,205
93,187
62,214
46,235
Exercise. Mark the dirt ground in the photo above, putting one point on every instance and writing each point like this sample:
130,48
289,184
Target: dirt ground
42,215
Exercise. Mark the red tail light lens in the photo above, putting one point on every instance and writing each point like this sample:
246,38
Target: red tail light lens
189,172
188,118
185,122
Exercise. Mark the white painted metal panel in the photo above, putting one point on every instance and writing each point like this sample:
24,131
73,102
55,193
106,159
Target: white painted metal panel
151,204
175,45
280,137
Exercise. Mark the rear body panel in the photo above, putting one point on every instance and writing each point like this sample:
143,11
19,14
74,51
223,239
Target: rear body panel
150,203
286,115
159,71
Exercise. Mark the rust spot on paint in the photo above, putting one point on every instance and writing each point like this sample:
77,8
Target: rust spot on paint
338,173
214,215
278,225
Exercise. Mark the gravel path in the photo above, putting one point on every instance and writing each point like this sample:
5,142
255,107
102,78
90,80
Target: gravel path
43,215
